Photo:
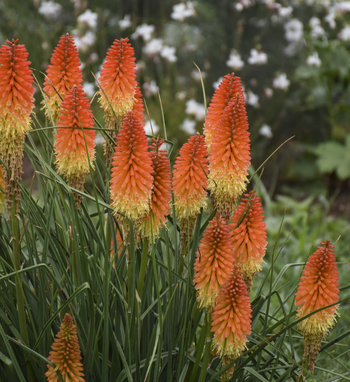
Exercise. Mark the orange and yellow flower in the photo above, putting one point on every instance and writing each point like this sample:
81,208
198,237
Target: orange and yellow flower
138,109
317,289
229,154
190,178
62,74
65,354
231,318
249,236
214,262
16,104
131,175
161,192
118,80
227,89
75,138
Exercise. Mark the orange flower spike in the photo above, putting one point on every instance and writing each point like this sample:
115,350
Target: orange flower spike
118,79
190,179
228,88
231,318
214,262
229,156
74,141
161,192
62,74
138,109
131,174
16,104
249,236
318,288
65,354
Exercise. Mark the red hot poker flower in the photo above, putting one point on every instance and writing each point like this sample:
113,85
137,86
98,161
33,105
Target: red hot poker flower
161,192
74,141
16,104
227,89
131,175
62,74
229,155
65,354
318,288
231,319
118,79
190,179
214,262
249,236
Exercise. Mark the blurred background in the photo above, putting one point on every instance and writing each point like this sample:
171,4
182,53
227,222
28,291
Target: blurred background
293,58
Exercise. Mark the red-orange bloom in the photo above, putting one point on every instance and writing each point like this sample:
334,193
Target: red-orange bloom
138,109
190,178
229,154
161,192
16,104
228,88
131,175
62,74
75,143
214,262
249,235
65,354
231,319
118,79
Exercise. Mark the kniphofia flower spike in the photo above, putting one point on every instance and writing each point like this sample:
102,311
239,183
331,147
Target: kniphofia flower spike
229,154
65,354
317,289
75,139
214,262
16,104
62,74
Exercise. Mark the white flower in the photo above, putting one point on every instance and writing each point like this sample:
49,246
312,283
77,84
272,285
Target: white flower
150,88
50,9
235,61
265,131
316,29
252,99
188,126
145,31
239,7
85,42
330,18
198,75
313,60
88,18
125,23
257,57
344,34
196,109
151,127
181,95
281,82
89,89
168,52
99,140
268,92
93,57
182,11
293,30
217,83
343,6
153,47
285,12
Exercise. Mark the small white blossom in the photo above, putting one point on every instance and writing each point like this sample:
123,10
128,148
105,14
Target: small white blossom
50,9
125,23
93,57
235,61
168,52
281,82
151,127
257,57
239,7
153,47
344,34
293,30
198,75
196,109
83,43
182,11
268,92
144,31
330,18
285,12
150,88
252,99
343,6
217,83
265,131
313,60
88,18
188,126
316,28
181,95
99,140
89,89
